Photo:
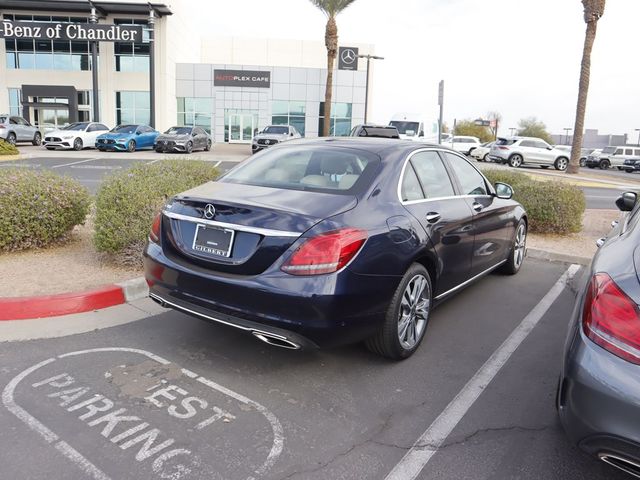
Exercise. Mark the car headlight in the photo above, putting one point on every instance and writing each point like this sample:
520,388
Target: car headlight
67,137
121,140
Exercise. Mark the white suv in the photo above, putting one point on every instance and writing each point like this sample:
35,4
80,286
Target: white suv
463,144
517,151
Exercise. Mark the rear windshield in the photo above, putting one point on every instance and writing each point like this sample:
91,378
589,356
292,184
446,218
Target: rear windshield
319,168
406,128
384,132
505,141
3,119
276,130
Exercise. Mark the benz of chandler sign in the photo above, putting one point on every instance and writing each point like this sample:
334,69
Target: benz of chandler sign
70,31
241,78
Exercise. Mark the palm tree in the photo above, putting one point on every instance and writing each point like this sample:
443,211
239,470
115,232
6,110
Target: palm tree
593,10
331,8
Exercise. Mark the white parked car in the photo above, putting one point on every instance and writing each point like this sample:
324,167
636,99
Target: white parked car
517,151
481,153
463,144
273,134
76,135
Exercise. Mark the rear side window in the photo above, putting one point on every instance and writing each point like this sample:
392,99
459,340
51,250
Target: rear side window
432,175
628,151
325,169
410,189
471,182
505,141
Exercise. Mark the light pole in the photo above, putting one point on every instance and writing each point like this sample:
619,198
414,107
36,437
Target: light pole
566,135
93,18
152,67
366,91
638,130
511,130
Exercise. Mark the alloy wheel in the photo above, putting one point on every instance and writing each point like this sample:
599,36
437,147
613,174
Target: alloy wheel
515,161
562,163
519,246
414,312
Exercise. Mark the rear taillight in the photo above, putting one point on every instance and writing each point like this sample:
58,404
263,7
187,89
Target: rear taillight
611,319
154,235
503,148
326,253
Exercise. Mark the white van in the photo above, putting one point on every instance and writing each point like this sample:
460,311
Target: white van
416,127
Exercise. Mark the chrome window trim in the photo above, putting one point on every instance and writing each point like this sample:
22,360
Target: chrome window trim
434,199
267,232
466,282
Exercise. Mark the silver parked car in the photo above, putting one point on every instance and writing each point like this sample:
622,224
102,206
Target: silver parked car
598,397
517,151
183,139
273,134
16,129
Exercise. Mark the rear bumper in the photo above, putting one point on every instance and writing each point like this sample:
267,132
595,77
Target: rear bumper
324,310
599,401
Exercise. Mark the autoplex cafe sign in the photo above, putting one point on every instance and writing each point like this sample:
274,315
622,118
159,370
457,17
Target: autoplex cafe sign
70,31
241,78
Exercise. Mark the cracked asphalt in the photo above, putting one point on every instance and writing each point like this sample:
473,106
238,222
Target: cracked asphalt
222,405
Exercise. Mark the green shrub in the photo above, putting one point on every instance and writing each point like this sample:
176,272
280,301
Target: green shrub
7,149
552,206
38,208
127,203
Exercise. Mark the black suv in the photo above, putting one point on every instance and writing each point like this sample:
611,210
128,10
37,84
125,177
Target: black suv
381,131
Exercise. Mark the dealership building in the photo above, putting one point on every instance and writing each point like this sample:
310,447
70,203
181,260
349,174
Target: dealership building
152,69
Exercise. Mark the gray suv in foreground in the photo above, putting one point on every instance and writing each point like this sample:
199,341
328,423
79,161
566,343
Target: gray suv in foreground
272,135
598,397
16,129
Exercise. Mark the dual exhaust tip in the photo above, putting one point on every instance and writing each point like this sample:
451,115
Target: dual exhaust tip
629,466
275,340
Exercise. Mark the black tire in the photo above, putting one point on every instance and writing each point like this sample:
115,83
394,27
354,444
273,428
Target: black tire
591,166
628,170
514,262
604,164
188,148
544,166
561,164
37,139
208,146
131,146
11,138
486,158
158,150
515,160
77,144
619,168
387,342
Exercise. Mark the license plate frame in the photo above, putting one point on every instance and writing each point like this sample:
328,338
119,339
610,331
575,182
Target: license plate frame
211,250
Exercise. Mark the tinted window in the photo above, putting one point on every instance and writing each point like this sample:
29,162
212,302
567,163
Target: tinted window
527,143
618,151
432,174
539,144
3,119
179,131
14,121
471,182
506,141
609,150
628,151
101,127
411,189
327,169
276,130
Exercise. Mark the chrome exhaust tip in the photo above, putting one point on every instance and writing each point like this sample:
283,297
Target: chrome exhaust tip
275,340
629,466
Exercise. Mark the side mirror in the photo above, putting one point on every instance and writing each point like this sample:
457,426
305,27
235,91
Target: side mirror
421,134
503,191
291,134
138,133
627,201
549,147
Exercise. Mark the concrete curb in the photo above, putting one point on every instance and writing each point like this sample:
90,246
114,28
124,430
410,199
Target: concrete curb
11,158
27,308
557,257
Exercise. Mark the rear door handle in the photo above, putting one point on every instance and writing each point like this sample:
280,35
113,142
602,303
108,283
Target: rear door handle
433,217
477,206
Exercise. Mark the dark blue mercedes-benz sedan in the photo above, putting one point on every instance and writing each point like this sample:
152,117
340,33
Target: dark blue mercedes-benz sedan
332,241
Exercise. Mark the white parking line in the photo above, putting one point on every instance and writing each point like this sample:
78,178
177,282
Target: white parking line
76,163
427,445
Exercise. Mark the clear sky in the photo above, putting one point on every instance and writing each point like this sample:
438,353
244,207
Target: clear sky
521,58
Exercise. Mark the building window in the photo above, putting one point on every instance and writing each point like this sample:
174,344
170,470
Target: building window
132,56
15,102
195,111
133,107
340,119
85,103
47,54
289,113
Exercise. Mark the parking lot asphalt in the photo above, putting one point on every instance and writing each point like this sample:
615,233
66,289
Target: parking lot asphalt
171,396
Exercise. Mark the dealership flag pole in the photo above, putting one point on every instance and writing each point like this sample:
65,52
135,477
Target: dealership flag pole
93,18
152,76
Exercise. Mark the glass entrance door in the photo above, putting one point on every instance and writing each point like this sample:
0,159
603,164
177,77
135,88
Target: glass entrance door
241,127
48,119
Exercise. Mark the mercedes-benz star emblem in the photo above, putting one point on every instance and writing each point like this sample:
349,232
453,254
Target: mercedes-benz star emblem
209,211
267,142
348,56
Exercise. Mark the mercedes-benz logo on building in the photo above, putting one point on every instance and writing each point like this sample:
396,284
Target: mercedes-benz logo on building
348,56
209,211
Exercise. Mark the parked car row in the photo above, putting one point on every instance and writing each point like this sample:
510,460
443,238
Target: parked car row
127,137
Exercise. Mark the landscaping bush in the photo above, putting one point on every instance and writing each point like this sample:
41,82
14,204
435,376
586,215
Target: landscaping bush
38,208
128,201
552,206
7,149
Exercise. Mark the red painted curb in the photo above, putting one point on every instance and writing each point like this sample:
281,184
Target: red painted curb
22,308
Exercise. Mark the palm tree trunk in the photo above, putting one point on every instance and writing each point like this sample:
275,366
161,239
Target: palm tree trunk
331,42
583,90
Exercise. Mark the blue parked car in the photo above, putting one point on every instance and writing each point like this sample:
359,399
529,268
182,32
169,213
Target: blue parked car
127,137
331,241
